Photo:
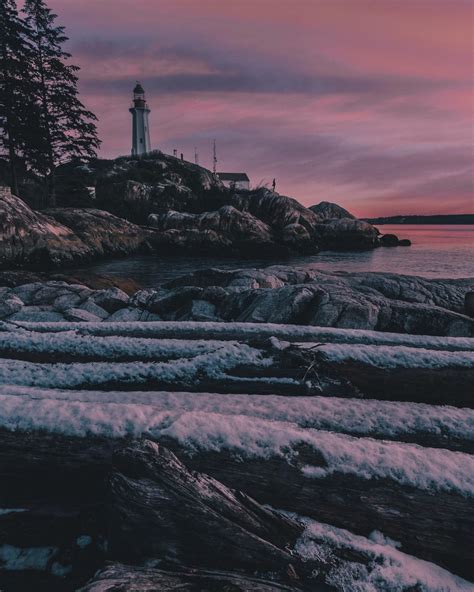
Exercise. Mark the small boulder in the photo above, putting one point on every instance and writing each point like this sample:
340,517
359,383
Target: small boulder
389,240
90,306
66,301
167,301
142,297
112,299
125,315
198,310
404,242
10,305
77,315
37,314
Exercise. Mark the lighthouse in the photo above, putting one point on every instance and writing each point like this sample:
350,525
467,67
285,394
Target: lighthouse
140,130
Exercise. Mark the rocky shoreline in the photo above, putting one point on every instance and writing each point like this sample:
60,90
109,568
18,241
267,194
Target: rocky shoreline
278,294
177,208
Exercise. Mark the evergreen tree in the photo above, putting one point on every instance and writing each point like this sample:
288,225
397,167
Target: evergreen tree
61,127
15,87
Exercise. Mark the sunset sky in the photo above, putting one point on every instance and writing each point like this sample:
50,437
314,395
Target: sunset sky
368,103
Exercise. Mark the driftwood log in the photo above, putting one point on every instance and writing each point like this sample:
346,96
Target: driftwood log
436,526
294,371
158,508
127,578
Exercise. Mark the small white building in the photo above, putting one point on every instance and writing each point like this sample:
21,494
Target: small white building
235,180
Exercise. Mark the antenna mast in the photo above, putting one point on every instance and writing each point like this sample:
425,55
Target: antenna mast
196,156
214,168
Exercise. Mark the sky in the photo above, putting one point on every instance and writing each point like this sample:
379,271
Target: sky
368,103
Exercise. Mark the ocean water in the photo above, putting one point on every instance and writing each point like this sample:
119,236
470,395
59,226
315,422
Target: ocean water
436,252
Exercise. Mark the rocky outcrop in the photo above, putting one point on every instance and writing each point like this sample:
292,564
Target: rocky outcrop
326,210
392,240
348,234
377,301
62,236
380,301
157,188
103,232
31,238
226,228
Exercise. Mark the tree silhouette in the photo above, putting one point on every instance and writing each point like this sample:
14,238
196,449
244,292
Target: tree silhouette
15,87
60,127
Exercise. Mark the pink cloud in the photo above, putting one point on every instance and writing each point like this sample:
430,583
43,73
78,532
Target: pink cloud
335,99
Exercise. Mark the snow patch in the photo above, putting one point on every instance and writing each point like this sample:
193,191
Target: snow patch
389,570
430,469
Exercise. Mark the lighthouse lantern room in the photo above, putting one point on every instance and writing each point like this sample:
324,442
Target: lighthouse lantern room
140,128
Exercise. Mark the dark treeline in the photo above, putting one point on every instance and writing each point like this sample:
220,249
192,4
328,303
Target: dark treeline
42,121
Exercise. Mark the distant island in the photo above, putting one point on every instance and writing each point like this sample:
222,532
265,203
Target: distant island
436,219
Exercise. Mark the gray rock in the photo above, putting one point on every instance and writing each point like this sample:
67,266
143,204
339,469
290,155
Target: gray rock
279,305
126,315
198,310
77,315
142,297
378,301
112,299
10,305
90,306
389,240
165,302
348,233
48,293
70,300
327,210
26,291
37,314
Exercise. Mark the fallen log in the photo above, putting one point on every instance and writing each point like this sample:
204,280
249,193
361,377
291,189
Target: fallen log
448,384
127,578
158,508
192,330
436,525
428,425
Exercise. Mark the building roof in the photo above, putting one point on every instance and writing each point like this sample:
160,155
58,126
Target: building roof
233,177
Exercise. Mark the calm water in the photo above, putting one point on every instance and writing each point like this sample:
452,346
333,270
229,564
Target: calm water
436,252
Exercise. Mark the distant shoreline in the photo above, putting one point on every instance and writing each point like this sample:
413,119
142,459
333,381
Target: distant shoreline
453,219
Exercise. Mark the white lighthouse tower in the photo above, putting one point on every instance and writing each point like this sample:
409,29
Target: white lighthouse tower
141,130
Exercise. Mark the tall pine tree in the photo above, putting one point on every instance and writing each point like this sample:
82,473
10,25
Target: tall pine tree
15,87
63,129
